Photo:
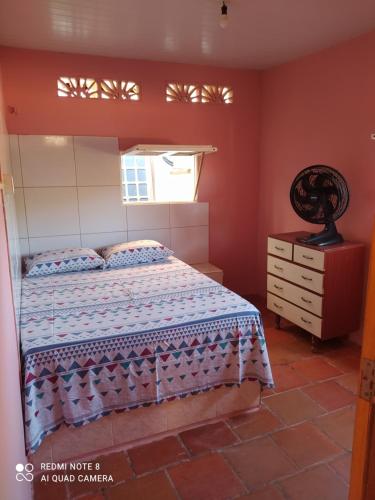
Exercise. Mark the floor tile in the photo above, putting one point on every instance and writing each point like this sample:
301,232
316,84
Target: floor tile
208,437
92,496
330,395
350,381
305,444
267,392
269,493
114,464
313,484
156,454
293,406
342,466
206,478
149,487
278,337
48,491
338,426
315,369
258,461
256,424
286,378
288,352
346,363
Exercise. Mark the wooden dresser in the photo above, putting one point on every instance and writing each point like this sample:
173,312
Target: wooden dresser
317,288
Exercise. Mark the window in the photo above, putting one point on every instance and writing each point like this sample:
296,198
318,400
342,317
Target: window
136,178
161,178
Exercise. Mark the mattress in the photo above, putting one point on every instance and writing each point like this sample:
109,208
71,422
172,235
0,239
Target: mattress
114,340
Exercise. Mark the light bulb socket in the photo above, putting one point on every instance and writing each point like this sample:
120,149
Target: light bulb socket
224,9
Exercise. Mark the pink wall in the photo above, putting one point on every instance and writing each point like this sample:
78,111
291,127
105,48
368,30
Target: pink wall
319,109
11,426
230,177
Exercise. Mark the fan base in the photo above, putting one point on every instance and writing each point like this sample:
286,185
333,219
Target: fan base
329,236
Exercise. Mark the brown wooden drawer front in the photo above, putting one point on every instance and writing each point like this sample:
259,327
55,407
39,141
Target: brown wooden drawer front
298,316
309,257
298,296
280,248
312,280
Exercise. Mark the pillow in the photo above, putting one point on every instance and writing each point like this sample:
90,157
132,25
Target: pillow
63,261
135,252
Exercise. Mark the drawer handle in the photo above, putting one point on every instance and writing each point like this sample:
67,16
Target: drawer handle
306,321
281,249
279,268
306,300
306,278
278,287
307,257
277,306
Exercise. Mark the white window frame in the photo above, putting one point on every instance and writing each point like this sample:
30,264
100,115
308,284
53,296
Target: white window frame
150,150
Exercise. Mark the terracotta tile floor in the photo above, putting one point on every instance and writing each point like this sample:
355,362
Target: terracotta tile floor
296,447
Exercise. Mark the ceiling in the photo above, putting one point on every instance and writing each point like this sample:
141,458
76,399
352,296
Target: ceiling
260,33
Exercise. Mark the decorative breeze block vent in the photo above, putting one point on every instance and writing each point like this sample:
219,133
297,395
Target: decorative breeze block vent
118,89
85,88
217,93
183,92
89,88
180,92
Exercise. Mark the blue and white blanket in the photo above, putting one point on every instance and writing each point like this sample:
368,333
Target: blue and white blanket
98,341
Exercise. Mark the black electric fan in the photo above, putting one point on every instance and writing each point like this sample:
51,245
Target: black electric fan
320,195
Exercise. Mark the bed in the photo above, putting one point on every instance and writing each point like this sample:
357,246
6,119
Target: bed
105,341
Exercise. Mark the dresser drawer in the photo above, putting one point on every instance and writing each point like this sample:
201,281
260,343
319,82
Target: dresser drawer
280,248
298,316
309,257
292,293
307,278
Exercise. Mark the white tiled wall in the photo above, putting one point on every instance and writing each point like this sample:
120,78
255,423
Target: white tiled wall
68,193
11,200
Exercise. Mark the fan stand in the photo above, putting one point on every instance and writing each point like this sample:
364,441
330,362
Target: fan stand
329,236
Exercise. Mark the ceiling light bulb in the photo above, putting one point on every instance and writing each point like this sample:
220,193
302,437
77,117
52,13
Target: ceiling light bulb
224,16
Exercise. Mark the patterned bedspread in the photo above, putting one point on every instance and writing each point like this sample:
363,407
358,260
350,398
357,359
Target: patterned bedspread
99,341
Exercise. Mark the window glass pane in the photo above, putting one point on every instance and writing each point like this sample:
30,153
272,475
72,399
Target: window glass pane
142,189
143,199
140,161
141,172
129,161
132,189
130,174
133,199
174,178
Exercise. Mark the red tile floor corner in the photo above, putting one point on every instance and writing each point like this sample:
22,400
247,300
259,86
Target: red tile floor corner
298,446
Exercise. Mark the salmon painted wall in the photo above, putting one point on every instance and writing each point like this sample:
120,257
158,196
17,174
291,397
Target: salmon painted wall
319,109
230,178
11,425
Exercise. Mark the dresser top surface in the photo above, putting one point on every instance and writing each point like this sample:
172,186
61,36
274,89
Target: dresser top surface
292,238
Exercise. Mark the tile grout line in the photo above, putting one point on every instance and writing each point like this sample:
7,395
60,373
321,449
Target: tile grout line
77,194
228,463
169,479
